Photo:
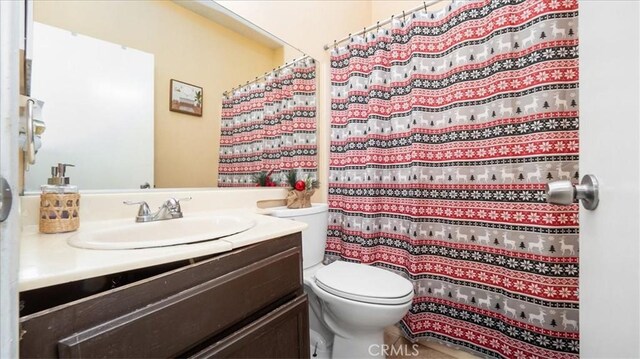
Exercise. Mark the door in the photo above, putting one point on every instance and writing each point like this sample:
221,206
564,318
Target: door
126,78
11,19
609,131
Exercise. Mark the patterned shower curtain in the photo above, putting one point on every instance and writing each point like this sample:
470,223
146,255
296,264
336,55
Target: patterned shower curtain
444,130
270,126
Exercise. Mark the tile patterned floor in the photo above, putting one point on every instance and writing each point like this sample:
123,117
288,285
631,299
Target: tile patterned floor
401,348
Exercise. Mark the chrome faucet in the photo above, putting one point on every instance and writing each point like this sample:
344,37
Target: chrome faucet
170,209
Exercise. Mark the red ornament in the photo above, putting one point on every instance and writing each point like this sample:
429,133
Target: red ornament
300,185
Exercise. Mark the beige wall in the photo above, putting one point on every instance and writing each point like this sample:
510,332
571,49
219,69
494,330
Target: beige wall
187,47
305,24
383,9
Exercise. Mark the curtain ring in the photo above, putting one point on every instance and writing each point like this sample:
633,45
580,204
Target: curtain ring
335,45
425,6
377,26
404,19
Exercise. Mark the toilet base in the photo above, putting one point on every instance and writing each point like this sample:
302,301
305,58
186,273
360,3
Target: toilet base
365,345
319,347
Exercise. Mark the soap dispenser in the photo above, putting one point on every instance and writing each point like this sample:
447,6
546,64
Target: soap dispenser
59,203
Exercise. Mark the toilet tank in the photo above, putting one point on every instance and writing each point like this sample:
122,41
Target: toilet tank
314,238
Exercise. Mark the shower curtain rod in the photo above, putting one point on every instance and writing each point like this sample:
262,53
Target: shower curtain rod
424,6
258,78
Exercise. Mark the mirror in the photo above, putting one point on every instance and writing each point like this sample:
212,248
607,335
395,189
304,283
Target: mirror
105,75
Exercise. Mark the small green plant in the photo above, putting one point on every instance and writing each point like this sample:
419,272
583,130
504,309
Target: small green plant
198,98
263,179
301,184
292,178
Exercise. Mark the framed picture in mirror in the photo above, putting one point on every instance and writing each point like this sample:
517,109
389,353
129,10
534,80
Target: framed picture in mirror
185,98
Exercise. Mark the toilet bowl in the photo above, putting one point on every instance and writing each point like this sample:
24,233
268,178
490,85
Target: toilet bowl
357,302
350,303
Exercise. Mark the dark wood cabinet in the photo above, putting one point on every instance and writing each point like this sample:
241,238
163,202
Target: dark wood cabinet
248,303
272,336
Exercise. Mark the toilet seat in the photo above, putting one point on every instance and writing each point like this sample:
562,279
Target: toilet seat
364,283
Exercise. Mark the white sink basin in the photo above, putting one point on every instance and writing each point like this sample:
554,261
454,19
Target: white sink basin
131,235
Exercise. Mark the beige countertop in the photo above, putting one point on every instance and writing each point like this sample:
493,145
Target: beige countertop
47,259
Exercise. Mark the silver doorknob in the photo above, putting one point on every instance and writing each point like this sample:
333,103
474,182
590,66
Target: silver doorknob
7,198
565,193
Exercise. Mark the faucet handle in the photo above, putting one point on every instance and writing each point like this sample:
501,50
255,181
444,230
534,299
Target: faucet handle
173,206
173,202
143,210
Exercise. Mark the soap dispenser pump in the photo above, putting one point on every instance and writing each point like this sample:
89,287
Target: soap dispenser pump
59,182
59,202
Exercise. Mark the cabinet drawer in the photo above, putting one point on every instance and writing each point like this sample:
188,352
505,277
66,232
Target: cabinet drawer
166,315
167,327
283,333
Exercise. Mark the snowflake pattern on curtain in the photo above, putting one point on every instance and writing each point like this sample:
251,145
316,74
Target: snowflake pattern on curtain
270,125
444,131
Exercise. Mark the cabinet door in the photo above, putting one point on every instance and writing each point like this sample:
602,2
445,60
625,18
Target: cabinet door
283,333
165,328
171,313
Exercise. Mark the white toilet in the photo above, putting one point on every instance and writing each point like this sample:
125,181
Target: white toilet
350,303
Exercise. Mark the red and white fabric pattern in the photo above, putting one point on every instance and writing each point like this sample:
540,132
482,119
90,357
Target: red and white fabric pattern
270,126
444,130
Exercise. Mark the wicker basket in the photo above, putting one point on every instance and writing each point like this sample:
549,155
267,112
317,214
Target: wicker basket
299,199
59,212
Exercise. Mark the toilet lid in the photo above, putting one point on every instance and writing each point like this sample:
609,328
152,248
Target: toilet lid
364,283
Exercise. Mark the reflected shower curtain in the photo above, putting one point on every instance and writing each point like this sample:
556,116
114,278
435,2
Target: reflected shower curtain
444,130
270,126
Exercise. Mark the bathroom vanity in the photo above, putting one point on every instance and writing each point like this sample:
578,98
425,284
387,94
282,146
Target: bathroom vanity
246,302
237,296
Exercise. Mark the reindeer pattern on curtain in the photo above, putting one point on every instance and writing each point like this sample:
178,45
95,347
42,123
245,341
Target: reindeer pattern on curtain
444,130
270,126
